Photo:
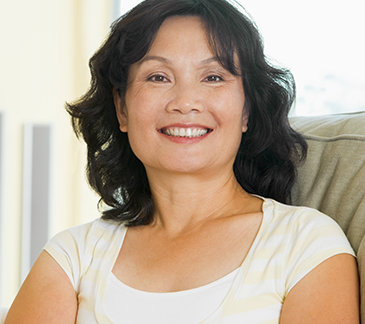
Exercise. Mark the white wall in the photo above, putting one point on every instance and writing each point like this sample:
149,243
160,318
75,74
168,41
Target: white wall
45,46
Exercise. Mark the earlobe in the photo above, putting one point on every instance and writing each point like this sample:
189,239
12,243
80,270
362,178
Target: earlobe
120,111
245,122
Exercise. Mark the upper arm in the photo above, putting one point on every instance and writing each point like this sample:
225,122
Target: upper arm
46,296
327,294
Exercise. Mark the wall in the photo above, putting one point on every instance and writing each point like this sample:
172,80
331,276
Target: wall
45,46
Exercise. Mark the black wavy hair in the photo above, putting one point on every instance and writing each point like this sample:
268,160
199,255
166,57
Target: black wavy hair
266,160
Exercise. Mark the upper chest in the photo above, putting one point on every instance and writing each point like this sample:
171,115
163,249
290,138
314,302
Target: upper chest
150,261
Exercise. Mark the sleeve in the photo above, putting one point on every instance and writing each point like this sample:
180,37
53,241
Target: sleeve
68,249
314,237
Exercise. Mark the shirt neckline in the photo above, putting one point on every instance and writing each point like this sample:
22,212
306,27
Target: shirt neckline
122,285
227,302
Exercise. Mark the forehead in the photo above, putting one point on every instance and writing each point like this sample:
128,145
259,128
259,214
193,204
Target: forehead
180,32
187,41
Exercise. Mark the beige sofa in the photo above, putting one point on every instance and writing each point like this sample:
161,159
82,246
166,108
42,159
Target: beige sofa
332,179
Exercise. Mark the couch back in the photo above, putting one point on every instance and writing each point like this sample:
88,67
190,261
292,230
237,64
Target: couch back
332,179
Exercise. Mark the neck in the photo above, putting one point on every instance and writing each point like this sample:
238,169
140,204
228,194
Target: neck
186,202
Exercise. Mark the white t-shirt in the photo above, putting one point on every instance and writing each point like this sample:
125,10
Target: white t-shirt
291,242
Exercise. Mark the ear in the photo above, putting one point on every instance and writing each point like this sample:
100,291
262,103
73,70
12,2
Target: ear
120,111
245,120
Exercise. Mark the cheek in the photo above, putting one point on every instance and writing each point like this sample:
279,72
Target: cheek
229,109
138,144
237,111
141,131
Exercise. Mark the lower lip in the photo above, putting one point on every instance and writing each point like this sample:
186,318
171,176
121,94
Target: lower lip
185,140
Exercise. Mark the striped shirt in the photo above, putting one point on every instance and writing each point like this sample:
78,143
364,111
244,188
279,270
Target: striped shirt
290,243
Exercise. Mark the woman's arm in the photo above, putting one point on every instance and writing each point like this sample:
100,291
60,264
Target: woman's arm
329,294
46,296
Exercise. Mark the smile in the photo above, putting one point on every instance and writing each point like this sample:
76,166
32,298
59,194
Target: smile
185,132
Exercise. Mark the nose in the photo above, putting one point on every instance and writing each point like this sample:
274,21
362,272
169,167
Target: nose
185,98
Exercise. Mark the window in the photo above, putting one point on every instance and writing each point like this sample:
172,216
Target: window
321,42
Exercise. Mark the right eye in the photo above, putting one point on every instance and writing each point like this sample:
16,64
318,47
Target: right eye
158,78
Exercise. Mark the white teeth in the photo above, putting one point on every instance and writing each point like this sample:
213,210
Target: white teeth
182,132
185,132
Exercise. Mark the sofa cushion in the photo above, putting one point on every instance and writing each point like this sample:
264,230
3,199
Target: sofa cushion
332,179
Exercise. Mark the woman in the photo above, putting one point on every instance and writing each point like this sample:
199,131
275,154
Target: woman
186,126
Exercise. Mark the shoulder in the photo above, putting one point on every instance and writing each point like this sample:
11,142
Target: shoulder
306,233
309,237
75,248
297,219
96,229
79,241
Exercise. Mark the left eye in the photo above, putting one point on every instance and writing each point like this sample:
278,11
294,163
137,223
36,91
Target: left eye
213,78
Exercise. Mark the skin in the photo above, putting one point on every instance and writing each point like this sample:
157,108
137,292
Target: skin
197,199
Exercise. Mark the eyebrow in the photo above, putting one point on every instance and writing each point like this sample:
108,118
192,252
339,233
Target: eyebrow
209,60
154,58
167,61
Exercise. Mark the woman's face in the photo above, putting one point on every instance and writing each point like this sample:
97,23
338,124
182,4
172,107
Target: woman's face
182,110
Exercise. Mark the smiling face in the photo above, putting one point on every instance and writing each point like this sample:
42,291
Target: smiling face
182,110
